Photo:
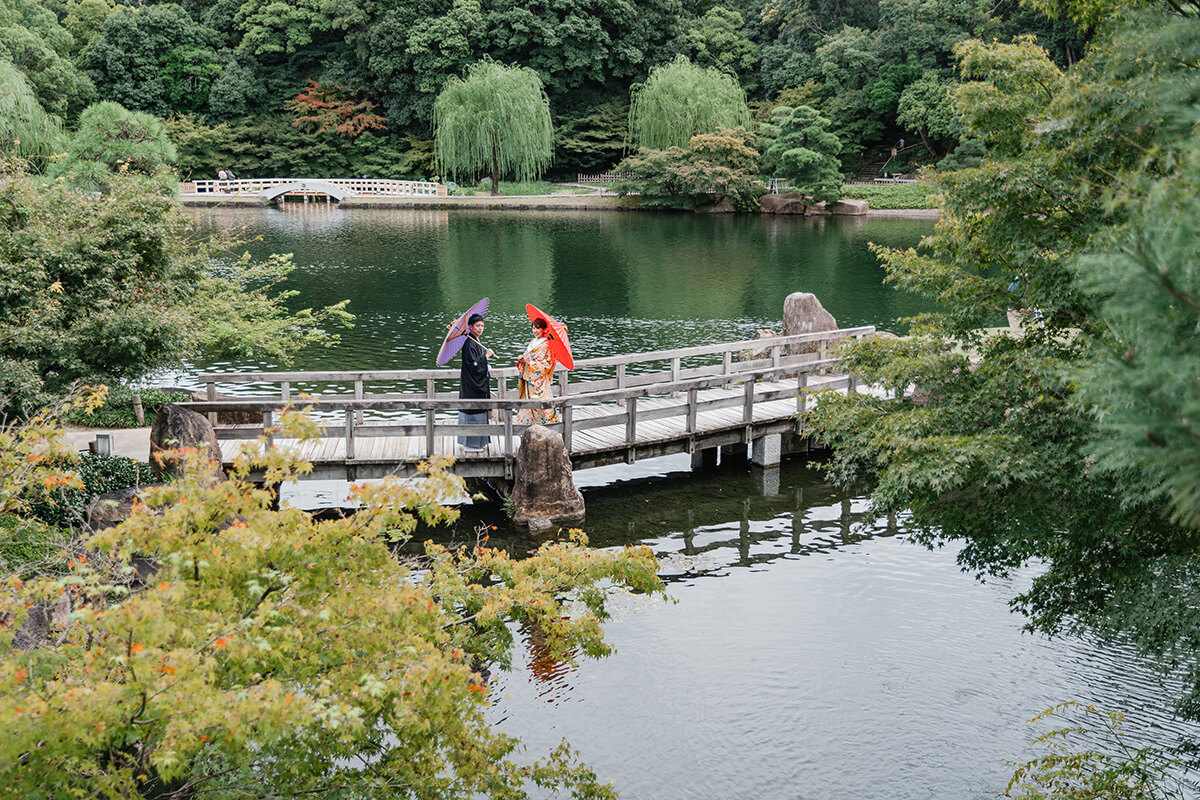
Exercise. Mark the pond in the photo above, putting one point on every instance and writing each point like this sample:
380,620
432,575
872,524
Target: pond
812,651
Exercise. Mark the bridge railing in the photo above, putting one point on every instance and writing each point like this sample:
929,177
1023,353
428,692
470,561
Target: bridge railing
353,412
363,186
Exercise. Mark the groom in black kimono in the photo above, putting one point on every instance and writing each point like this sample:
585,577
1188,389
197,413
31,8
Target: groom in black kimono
474,382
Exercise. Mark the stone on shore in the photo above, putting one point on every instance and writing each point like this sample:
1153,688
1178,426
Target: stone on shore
544,486
803,313
789,203
178,428
851,208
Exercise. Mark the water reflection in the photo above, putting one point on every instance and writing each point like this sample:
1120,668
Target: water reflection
812,652
624,282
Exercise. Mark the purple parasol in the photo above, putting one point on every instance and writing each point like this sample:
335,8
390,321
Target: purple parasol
456,336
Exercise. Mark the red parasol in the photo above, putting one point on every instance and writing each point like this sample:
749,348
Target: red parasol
456,337
560,343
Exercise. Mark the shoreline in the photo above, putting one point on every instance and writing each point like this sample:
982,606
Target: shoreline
545,202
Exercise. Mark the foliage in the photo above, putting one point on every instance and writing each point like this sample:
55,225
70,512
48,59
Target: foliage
592,141
322,108
155,59
117,411
29,545
110,288
274,651
26,130
32,40
268,144
680,100
1142,380
1124,773
1079,221
98,474
718,40
893,196
495,118
926,108
797,146
112,140
714,167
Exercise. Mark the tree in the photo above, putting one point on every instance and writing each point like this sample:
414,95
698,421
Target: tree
111,140
712,169
717,40
154,59
798,146
111,288
26,130
322,108
272,652
32,39
496,117
926,108
680,100
1078,219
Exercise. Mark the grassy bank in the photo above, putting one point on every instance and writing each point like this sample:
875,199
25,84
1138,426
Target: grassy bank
891,195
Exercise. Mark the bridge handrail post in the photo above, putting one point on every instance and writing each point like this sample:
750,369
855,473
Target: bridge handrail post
726,363
748,407
285,391
823,354
563,383
349,433
268,421
508,433
430,390
775,350
693,396
210,391
358,395
802,393
631,419
567,427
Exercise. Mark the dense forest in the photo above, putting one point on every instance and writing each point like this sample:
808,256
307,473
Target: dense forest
348,86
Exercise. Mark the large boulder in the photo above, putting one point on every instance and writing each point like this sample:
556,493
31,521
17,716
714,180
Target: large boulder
803,313
783,203
178,428
230,417
543,485
754,354
112,508
851,208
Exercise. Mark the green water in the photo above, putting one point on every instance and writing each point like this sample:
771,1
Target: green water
623,282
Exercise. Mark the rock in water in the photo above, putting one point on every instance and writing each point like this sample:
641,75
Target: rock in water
544,487
803,313
177,428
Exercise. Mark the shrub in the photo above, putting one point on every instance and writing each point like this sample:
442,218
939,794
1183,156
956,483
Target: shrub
892,196
100,474
117,411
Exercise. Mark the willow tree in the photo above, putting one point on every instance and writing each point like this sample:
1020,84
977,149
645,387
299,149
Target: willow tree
26,130
680,100
495,118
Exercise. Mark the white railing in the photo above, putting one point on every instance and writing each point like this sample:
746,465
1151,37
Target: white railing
379,187
601,177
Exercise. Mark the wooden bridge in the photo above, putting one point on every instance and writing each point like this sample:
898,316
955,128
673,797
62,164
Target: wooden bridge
745,394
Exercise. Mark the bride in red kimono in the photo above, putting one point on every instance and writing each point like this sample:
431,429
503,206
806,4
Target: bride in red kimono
536,370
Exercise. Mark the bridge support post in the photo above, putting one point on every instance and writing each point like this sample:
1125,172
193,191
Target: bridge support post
703,460
732,453
767,450
766,479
